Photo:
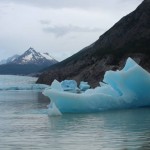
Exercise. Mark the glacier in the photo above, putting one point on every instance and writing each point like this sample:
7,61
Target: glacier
121,89
13,82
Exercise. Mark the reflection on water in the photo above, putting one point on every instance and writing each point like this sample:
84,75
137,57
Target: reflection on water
24,124
42,98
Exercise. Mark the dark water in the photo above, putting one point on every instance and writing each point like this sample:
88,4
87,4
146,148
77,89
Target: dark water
24,124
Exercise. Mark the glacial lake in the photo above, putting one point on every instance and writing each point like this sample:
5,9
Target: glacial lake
25,125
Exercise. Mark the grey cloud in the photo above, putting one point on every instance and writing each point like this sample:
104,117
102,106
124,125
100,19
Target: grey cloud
45,22
88,4
59,31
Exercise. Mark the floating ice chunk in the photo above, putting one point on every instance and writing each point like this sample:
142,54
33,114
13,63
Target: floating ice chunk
66,85
56,85
102,84
24,87
69,85
128,88
83,103
107,89
133,83
12,82
39,86
84,86
53,110
129,64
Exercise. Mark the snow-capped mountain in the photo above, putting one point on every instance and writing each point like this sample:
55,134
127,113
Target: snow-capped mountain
32,57
29,63
8,60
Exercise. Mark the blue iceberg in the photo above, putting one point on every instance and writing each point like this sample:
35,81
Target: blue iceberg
84,86
66,85
127,88
69,85
56,85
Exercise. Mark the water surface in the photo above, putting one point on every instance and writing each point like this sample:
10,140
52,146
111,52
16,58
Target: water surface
24,124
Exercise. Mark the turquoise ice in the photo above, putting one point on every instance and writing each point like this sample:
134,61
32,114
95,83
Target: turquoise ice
127,88
84,86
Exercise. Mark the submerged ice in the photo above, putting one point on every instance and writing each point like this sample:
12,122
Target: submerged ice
127,88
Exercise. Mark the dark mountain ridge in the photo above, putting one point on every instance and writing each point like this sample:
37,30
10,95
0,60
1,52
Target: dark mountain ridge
128,37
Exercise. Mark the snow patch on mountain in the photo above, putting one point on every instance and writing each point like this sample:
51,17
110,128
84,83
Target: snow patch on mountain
32,57
27,58
47,56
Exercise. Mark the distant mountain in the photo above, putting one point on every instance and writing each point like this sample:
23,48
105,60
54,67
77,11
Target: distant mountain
32,57
128,37
30,62
8,60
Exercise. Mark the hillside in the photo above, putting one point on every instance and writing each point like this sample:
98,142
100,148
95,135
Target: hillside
128,37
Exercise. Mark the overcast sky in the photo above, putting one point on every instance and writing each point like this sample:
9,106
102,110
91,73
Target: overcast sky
59,27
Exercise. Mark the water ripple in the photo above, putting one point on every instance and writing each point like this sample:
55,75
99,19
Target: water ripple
25,125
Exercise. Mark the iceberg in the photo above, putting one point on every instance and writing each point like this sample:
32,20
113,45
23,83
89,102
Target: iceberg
53,110
66,85
69,85
56,85
13,82
127,88
84,86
